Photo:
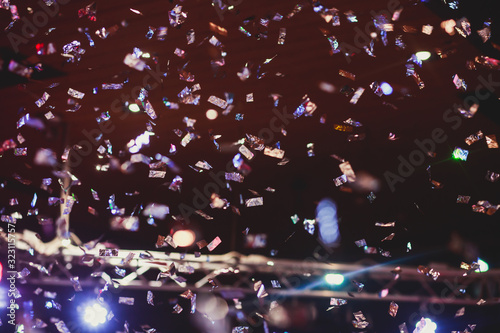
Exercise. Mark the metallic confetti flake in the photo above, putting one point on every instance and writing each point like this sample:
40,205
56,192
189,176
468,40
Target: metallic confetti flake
214,243
491,141
428,272
357,95
460,312
274,152
347,74
254,202
42,99
234,176
120,272
459,83
492,176
20,151
340,180
108,252
385,225
347,170
126,300
246,152
360,243
336,302
157,174
281,37
218,101
249,98
474,138
75,93
390,237
393,309
240,329
460,154
177,309
275,284
150,297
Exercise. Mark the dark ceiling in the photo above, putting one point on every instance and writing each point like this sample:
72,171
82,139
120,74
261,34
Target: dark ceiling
426,214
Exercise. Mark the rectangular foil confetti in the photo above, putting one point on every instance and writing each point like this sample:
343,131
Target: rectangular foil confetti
75,93
393,309
213,244
254,202
274,152
218,102
41,101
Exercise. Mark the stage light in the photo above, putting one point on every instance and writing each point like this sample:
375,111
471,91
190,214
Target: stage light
423,55
133,107
211,114
184,238
95,314
483,266
425,325
460,154
334,279
386,88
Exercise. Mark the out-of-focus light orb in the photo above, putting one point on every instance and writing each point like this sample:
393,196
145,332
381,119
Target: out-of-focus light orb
214,307
334,279
184,238
483,266
386,88
133,107
425,325
212,114
423,55
449,26
95,314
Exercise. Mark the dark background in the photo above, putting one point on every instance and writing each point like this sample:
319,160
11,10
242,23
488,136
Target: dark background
428,218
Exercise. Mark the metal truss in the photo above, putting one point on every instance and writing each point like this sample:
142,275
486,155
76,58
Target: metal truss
235,275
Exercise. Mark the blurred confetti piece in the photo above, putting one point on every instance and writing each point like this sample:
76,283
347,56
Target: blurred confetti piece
75,93
274,152
126,300
428,272
474,138
347,74
149,298
491,141
214,243
41,101
463,199
393,309
385,225
460,312
177,309
254,202
347,170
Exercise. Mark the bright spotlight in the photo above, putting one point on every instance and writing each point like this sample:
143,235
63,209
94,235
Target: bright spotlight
423,55
212,114
334,279
386,88
425,325
95,314
133,107
483,266
184,238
